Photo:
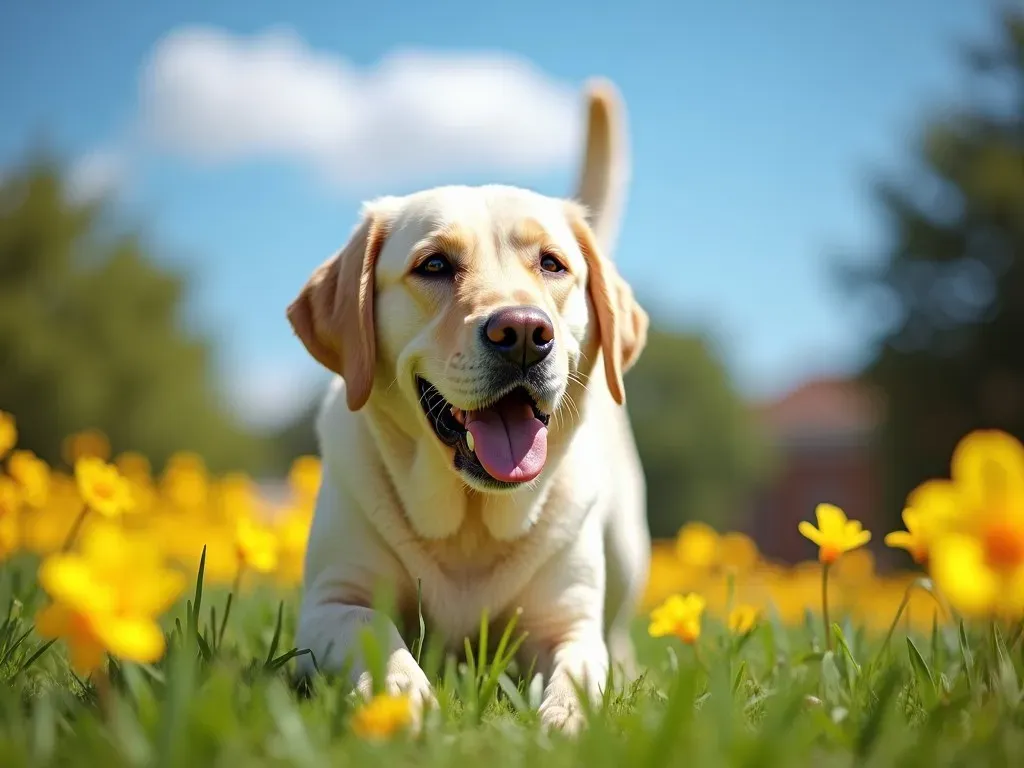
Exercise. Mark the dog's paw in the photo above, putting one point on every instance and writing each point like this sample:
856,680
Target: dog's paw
563,715
403,678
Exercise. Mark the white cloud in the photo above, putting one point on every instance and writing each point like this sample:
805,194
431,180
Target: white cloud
96,174
215,97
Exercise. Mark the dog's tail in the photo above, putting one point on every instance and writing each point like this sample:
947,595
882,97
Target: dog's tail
604,176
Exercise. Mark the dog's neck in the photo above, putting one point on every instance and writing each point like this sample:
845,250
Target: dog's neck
438,504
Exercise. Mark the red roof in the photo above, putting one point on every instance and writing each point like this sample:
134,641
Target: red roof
823,406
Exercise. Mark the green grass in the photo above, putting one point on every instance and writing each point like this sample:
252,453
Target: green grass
773,698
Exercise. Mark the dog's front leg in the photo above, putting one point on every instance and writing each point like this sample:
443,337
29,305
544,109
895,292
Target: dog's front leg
344,560
578,662
563,612
333,632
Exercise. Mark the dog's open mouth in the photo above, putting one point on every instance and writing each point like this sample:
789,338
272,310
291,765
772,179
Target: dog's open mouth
506,441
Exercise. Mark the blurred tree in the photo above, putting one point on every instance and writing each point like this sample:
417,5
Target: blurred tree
698,441
953,271
91,333
297,437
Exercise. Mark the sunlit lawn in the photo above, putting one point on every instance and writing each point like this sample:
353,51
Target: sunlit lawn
122,644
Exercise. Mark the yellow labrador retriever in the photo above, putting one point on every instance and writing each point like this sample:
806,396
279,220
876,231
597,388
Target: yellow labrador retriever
475,437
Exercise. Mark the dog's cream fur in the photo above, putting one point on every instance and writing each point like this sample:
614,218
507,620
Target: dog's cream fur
569,548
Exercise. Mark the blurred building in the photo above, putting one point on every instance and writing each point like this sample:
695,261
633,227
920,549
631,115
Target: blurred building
822,431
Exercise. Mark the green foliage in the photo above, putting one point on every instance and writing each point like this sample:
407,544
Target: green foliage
92,333
766,699
699,444
297,437
953,272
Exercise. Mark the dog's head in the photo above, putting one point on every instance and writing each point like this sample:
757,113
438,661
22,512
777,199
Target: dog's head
476,314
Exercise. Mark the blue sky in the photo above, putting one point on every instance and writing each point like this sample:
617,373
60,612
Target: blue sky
755,127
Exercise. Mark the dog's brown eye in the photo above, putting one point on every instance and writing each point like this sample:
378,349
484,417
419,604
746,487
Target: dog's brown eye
434,266
550,264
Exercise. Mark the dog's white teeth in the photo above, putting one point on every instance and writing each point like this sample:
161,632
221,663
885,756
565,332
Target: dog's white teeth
470,442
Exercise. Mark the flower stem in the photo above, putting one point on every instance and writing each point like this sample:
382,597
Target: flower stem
896,619
824,605
697,657
75,526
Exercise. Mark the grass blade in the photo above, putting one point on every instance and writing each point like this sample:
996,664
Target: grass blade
277,635
284,658
36,656
925,679
966,656
197,603
417,646
14,646
224,620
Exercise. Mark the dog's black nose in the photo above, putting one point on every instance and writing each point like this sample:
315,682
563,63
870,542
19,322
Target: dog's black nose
522,335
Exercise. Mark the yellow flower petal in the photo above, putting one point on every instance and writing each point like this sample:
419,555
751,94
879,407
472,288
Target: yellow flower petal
858,540
382,716
10,535
742,619
831,519
10,497
86,654
131,638
33,475
8,433
808,531
899,539
102,488
959,569
939,502
54,620
678,616
69,579
988,467
697,545
694,603
158,592
911,518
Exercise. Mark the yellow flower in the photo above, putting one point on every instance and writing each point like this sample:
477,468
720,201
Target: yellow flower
256,545
10,497
738,552
697,545
10,504
107,598
33,475
835,535
292,532
383,716
134,466
304,478
237,496
102,488
914,539
742,619
679,616
977,556
89,443
856,569
185,482
988,470
8,433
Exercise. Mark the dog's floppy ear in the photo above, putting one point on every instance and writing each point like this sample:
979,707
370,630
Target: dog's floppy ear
622,322
333,314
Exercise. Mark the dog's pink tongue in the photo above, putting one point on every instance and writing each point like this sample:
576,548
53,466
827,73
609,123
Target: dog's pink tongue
510,442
